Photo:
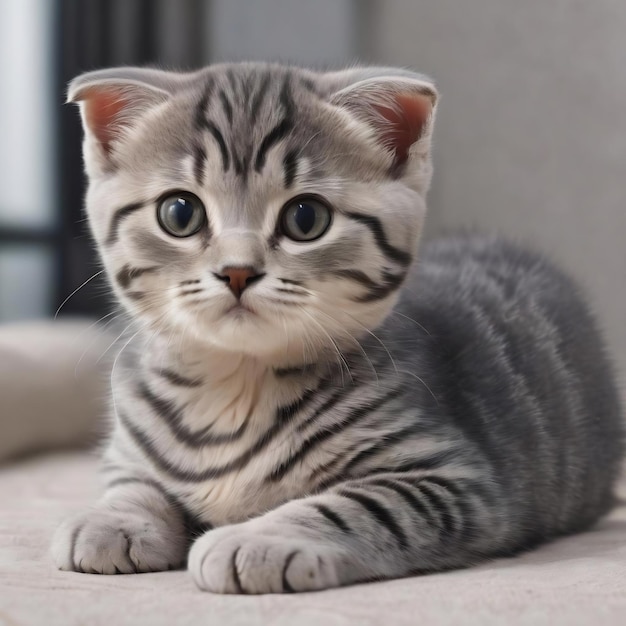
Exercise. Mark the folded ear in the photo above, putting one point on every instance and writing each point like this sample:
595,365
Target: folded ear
398,108
112,100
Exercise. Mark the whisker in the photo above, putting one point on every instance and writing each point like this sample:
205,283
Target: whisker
115,341
334,343
302,148
76,291
113,371
158,330
86,330
355,340
91,343
423,383
410,320
380,341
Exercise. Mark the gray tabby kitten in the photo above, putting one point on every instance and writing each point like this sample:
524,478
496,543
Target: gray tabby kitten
295,398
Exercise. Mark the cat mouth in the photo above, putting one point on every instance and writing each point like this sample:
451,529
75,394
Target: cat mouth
240,310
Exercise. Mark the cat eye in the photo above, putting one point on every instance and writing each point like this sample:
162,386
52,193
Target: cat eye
181,214
305,219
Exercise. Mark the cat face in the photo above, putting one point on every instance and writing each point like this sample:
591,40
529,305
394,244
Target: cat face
262,209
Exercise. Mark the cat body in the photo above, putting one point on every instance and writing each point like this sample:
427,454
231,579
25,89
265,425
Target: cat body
296,394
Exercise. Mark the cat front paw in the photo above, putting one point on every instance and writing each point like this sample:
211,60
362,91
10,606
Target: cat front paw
245,558
117,542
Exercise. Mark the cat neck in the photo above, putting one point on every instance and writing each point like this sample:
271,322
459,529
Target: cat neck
227,388
216,366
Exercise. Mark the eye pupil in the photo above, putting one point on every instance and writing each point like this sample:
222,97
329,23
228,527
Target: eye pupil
305,218
181,213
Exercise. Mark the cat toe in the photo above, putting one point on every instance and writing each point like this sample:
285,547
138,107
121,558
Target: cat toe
116,543
233,560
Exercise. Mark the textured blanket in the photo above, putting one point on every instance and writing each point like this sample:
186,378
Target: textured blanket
575,580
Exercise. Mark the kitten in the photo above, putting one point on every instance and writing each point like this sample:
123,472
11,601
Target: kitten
295,400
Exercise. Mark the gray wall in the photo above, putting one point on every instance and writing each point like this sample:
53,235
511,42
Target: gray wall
310,32
531,136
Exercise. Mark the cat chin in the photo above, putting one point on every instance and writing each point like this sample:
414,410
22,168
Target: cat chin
245,333
263,340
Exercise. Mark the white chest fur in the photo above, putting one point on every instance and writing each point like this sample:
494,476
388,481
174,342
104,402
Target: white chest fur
213,443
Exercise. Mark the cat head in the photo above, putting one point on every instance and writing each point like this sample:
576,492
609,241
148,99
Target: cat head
259,208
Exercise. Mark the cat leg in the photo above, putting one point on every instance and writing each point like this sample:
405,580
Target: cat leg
135,527
386,526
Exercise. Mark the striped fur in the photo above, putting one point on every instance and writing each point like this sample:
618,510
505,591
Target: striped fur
350,415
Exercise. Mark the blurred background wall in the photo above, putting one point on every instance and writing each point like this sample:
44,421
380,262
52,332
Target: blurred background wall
531,137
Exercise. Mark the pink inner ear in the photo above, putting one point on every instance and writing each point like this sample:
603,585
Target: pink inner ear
103,107
405,123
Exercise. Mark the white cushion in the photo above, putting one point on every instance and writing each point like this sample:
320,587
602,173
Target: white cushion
52,387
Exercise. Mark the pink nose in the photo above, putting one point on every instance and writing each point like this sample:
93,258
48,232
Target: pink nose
238,278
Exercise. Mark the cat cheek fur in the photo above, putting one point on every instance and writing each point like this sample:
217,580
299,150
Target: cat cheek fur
348,415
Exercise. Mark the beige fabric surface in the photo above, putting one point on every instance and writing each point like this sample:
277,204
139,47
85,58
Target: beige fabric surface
579,580
53,381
